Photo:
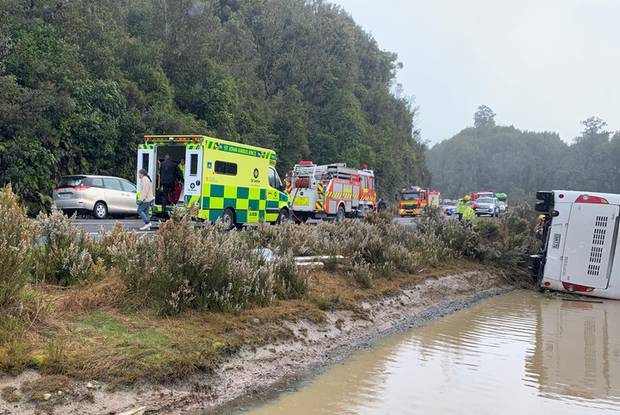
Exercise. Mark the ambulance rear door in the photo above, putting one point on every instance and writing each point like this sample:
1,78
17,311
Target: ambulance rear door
192,189
146,161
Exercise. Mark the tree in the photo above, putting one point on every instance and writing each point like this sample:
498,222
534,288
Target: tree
484,117
82,81
593,126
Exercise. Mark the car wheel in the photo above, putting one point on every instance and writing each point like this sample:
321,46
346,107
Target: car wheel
228,219
340,215
284,216
100,211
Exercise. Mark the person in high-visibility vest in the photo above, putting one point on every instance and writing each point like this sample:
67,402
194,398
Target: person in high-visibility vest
460,207
469,216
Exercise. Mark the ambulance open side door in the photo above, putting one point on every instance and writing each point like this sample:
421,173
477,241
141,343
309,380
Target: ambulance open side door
146,161
192,190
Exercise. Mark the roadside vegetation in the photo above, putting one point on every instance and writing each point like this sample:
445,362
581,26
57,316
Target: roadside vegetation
82,81
125,307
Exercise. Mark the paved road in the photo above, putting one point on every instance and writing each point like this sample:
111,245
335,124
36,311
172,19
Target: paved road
92,226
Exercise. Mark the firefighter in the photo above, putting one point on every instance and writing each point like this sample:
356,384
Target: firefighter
540,227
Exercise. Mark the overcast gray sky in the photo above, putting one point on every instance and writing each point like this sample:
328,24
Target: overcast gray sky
539,64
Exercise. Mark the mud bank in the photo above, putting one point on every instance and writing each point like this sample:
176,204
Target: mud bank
258,372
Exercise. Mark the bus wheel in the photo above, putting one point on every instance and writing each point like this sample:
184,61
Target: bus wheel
228,219
340,215
284,216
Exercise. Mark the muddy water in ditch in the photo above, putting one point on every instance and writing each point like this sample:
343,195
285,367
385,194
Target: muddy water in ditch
520,353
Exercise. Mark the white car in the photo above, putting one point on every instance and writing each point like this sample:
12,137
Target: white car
99,195
486,206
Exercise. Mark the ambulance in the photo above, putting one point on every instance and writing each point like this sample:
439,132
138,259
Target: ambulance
234,183
580,252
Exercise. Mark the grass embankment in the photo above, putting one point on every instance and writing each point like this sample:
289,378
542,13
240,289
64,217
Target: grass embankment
126,307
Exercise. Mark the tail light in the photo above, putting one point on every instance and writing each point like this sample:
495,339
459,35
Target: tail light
81,187
577,288
591,199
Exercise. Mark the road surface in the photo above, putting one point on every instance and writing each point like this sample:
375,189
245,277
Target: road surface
92,226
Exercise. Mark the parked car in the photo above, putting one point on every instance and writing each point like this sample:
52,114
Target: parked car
486,206
99,195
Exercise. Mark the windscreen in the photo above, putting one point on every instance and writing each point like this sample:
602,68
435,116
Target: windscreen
410,196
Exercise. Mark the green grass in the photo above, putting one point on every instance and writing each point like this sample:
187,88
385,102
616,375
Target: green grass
131,347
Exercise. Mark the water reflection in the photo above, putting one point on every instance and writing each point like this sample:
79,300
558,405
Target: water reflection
515,354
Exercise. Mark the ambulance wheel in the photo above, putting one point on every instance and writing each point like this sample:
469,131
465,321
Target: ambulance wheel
228,219
100,211
284,216
340,215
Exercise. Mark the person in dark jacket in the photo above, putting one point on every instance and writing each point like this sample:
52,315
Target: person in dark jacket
169,173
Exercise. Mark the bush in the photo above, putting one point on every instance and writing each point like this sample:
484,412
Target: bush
17,234
62,256
182,267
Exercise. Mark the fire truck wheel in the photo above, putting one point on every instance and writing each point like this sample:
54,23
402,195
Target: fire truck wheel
284,216
228,219
340,215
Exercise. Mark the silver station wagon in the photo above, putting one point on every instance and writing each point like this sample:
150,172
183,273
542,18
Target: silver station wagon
99,195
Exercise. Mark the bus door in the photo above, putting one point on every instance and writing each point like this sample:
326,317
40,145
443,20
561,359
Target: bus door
146,161
590,241
193,175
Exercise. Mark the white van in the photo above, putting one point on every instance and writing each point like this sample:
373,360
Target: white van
580,235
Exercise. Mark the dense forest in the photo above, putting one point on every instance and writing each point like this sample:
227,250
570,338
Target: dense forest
506,159
82,81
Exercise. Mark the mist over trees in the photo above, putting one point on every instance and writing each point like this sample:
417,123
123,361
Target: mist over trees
506,159
82,81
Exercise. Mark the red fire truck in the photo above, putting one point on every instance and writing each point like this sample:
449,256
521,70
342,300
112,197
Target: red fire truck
330,191
415,201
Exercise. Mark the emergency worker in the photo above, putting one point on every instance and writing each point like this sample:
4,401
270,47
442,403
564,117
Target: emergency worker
540,227
169,174
469,216
460,207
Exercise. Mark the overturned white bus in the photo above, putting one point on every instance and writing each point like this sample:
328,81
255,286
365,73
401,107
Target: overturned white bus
580,235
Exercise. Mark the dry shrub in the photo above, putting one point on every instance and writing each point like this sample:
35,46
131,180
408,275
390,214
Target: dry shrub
63,256
17,235
183,267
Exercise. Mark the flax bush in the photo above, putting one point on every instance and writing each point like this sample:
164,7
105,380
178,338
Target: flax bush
17,235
